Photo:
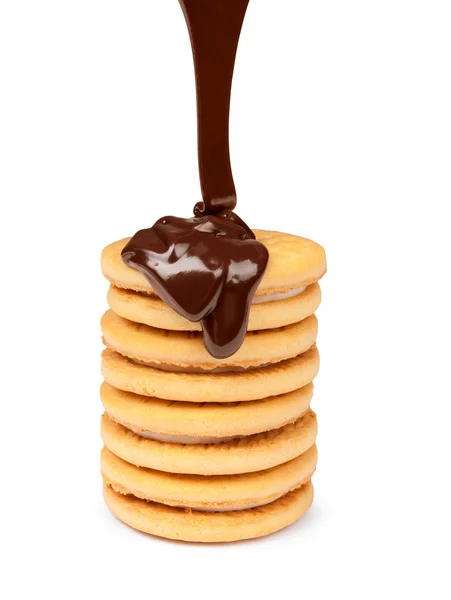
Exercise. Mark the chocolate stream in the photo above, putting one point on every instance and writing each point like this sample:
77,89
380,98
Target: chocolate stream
214,27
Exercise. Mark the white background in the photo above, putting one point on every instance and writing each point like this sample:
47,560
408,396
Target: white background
340,131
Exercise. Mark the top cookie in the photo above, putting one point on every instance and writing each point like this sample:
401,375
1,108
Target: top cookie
293,262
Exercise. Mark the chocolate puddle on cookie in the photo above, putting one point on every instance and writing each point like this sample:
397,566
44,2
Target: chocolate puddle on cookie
207,268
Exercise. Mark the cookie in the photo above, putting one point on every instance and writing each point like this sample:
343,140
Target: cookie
254,384
294,262
194,422
150,310
245,455
195,526
215,493
185,350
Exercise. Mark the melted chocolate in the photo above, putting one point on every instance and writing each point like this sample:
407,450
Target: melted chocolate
207,269
214,27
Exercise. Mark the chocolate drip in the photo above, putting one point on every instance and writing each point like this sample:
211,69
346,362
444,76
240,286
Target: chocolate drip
207,269
214,27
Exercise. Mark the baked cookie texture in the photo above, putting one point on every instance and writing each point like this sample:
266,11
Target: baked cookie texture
211,493
241,455
202,526
204,419
202,449
252,384
150,310
165,349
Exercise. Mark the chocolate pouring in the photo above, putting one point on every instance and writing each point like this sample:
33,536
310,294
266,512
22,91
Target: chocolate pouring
208,267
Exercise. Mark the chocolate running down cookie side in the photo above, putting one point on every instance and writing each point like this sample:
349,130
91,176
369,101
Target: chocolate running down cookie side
207,269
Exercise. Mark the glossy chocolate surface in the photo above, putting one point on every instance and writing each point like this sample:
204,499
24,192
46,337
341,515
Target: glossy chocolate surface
207,269
214,27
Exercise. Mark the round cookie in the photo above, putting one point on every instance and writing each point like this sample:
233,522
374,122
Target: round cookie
150,310
195,526
203,422
254,384
185,350
294,262
216,493
245,455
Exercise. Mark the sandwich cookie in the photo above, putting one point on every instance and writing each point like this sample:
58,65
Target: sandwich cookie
277,310
253,384
294,262
165,349
202,423
215,493
240,455
196,526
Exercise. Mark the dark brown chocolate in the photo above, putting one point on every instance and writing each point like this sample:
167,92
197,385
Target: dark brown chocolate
214,27
207,269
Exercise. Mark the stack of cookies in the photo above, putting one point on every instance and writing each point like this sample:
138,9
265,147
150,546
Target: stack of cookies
204,449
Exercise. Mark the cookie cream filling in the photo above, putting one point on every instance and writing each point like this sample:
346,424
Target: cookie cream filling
230,508
279,296
185,439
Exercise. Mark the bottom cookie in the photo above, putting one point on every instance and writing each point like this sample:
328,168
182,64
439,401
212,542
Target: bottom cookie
195,526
